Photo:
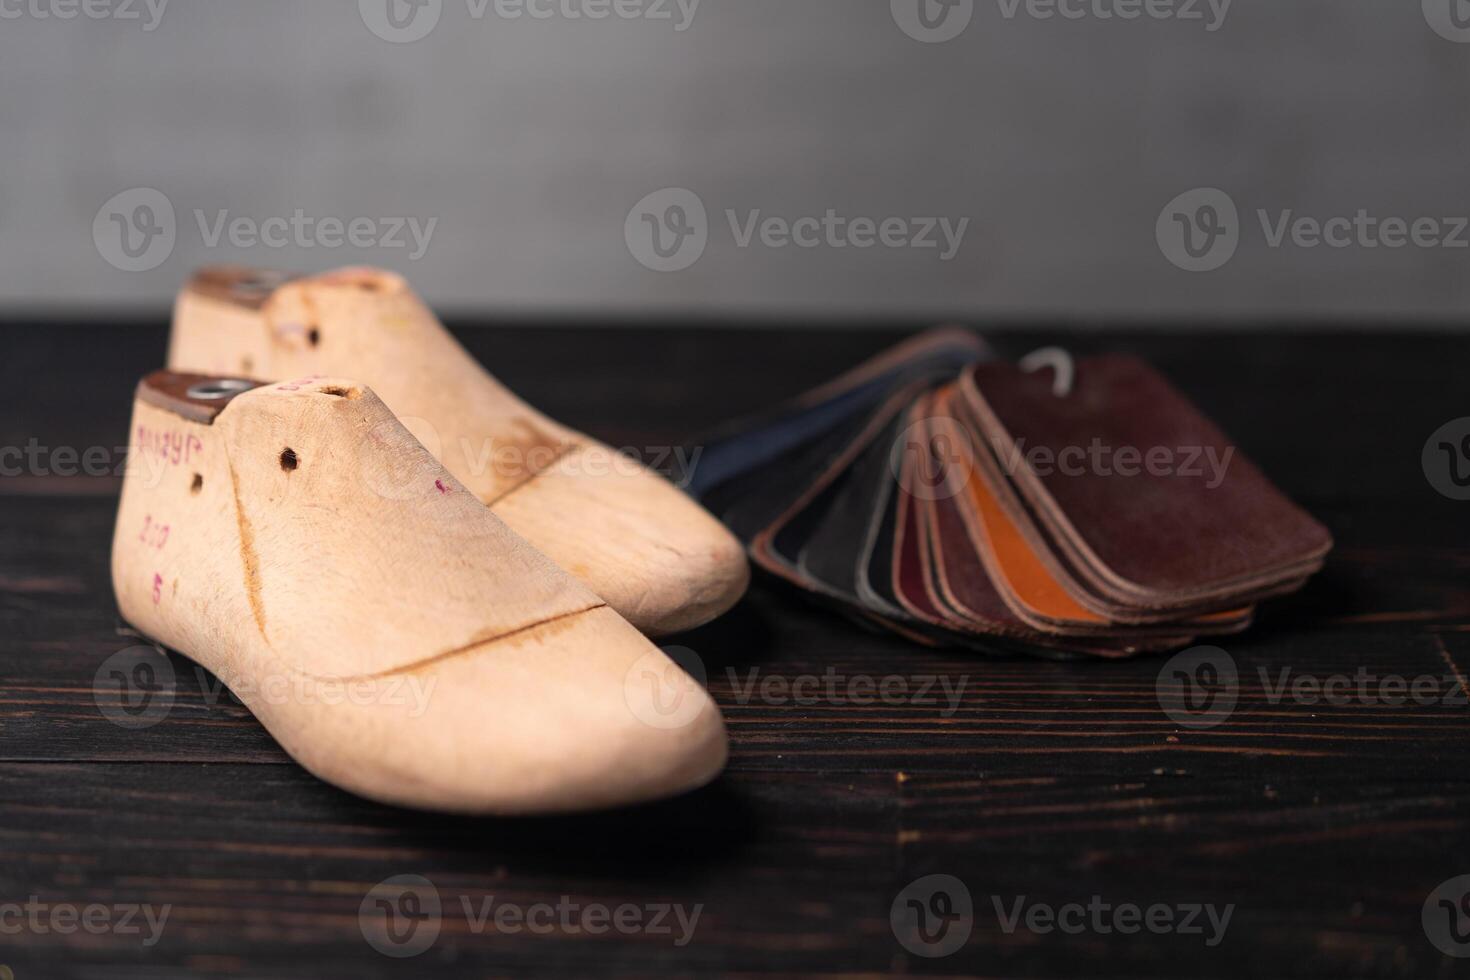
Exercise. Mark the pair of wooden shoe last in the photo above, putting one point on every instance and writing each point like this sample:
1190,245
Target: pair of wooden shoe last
430,593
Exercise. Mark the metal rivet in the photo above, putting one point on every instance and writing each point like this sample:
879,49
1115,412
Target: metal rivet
1060,361
219,388
260,280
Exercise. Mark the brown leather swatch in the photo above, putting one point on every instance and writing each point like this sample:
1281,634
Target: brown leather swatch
1205,526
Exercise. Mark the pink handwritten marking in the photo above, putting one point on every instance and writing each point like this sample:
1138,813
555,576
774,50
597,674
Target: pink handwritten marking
441,486
154,533
157,588
172,446
299,383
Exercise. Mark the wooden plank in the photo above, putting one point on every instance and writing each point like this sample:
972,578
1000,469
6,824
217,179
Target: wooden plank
1326,875
1325,824
56,611
266,870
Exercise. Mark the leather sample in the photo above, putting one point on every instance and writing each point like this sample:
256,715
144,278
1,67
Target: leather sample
1035,584
957,499
1162,476
756,442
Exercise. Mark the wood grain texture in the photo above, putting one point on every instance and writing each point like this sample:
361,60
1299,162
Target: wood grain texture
1325,825
658,559
395,637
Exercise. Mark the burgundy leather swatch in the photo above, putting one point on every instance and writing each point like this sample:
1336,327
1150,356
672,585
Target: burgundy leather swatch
1146,497
999,510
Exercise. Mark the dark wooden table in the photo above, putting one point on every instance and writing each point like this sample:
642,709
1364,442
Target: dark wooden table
1326,826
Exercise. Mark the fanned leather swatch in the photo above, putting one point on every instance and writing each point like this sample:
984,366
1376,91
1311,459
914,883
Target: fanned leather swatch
1080,509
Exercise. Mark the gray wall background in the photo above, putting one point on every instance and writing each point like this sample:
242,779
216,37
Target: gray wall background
530,140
